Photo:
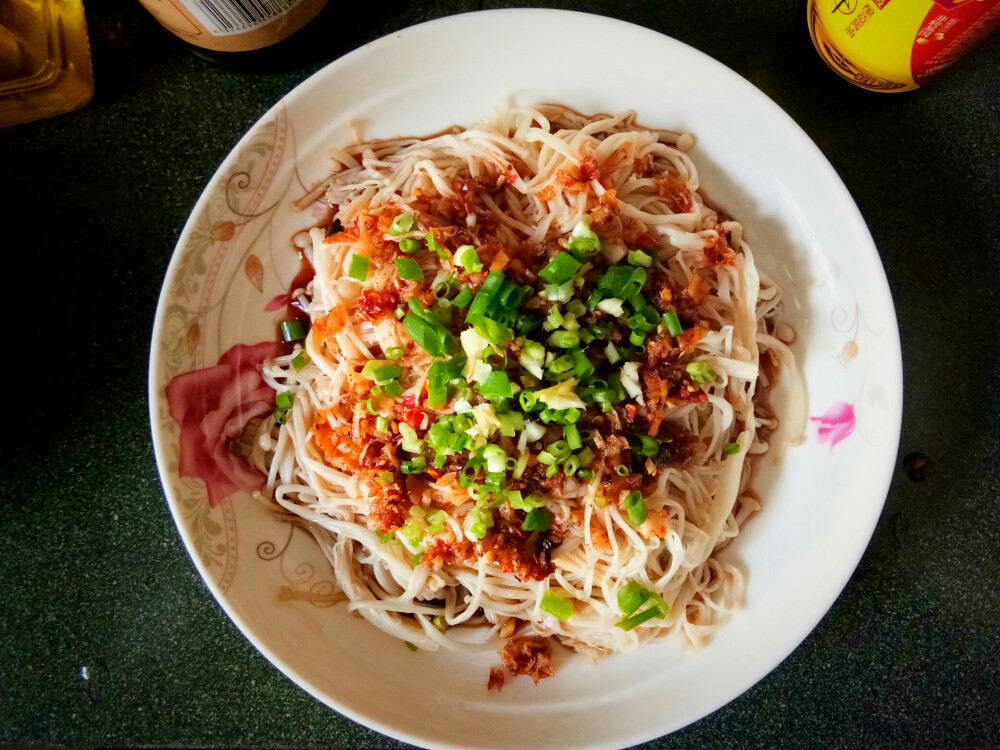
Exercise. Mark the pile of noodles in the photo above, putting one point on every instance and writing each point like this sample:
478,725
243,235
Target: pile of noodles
704,504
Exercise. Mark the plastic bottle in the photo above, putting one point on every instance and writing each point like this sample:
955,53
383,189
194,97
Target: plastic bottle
897,45
44,59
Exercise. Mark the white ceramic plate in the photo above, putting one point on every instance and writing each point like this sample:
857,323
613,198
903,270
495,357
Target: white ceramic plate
820,504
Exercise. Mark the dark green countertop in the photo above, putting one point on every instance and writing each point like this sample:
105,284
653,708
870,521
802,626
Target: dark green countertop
108,635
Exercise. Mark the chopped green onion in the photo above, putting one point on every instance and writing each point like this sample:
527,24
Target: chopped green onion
732,449
495,385
641,604
564,339
639,258
411,443
560,365
510,423
280,415
528,400
583,368
448,288
556,605
409,245
621,470
560,269
494,308
358,268
635,506
382,424
546,458
435,521
466,257
584,246
672,323
478,521
381,371
537,520
570,465
428,332
700,372
631,596
585,474
630,622
385,477
559,449
463,298
284,400
496,459
572,435
402,224
560,292
643,444
583,240
300,360
409,269
414,466
395,352
291,330
433,245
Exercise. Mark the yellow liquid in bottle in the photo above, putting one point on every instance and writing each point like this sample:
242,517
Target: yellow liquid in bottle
44,59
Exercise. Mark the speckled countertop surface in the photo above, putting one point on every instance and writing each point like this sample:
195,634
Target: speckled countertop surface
108,635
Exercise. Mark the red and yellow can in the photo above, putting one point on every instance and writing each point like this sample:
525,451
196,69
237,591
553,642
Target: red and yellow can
897,45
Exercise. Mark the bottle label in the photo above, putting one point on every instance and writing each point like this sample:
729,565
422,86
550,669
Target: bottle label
233,25
950,27
896,45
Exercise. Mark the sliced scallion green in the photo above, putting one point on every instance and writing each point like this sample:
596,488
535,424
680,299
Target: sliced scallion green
358,267
402,224
700,372
572,435
635,506
495,385
560,269
672,323
537,520
466,257
556,605
564,339
643,445
291,330
639,258
300,360
409,269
